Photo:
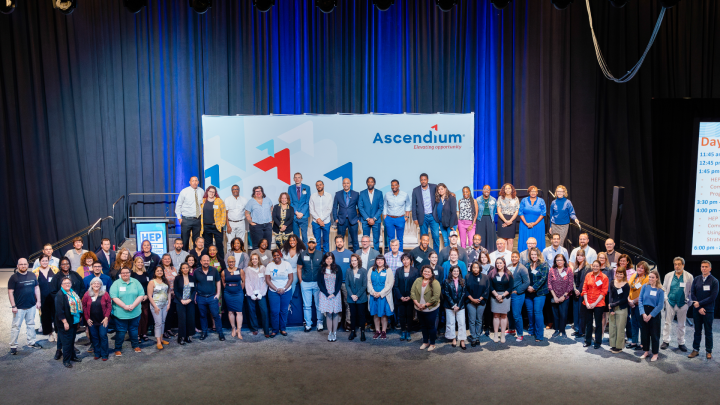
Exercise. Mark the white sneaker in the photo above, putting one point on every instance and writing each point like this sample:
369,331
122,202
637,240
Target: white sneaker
330,337
334,336
320,328
51,338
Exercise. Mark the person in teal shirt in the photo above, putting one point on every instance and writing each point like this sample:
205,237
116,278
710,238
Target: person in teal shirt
127,293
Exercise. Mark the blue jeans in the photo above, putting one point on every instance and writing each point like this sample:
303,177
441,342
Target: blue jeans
300,227
311,291
446,234
635,323
261,306
353,234
578,318
98,335
278,310
375,233
430,223
395,229
536,323
560,315
209,306
322,236
516,303
126,325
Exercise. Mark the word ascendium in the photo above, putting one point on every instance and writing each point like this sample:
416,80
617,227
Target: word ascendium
428,138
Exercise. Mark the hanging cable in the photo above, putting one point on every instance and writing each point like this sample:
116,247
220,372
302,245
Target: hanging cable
633,71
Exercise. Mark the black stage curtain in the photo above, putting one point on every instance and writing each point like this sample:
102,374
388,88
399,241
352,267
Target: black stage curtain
102,103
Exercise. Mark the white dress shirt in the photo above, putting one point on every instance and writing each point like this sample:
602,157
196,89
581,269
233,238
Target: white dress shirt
321,206
236,208
507,255
186,205
590,254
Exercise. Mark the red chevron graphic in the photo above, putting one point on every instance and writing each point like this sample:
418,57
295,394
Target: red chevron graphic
281,160
434,126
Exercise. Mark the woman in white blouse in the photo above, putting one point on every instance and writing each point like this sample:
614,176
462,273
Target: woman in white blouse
508,206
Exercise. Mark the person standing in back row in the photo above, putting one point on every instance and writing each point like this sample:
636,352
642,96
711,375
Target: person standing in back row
320,209
187,210
561,212
213,219
300,202
370,208
345,215
485,224
396,211
258,213
235,206
423,209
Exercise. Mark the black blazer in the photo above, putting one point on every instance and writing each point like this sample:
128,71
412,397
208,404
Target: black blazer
105,265
403,284
277,222
417,206
338,281
178,285
453,297
62,309
449,212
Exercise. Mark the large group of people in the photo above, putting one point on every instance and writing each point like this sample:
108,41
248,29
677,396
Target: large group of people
480,279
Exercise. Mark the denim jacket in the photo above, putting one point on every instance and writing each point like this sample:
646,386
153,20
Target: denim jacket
491,205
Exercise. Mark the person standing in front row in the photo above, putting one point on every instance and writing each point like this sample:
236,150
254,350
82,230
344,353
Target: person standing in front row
485,225
233,280
478,290
454,294
127,293
618,307
258,213
184,291
235,206
320,209
594,291
677,299
24,296
98,309
703,294
560,284
423,209
396,211
207,289
380,297
536,293
356,283
652,299
532,219
329,281
256,289
501,283
561,212
308,275
344,213
467,216
508,209
404,278
425,294
278,276
370,207
187,210
68,311
300,202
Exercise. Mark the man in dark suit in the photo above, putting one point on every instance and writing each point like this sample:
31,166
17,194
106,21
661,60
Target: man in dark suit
105,256
300,201
423,204
371,208
344,212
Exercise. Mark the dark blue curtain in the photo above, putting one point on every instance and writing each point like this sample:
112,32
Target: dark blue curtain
103,103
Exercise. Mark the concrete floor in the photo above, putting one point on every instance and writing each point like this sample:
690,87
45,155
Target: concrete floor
305,368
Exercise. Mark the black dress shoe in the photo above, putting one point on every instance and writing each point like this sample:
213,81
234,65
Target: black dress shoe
586,344
180,341
682,348
630,346
188,340
556,334
596,346
77,351
576,334
76,359
664,346
203,336
352,335
68,365
222,337
362,335
58,355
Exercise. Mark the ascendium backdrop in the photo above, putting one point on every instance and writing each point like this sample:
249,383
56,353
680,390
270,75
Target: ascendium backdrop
103,103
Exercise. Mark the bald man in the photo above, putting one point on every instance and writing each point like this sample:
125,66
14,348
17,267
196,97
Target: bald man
24,296
187,210
611,253
524,255
344,213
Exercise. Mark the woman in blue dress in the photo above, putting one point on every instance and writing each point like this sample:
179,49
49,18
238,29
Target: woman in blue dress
380,298
532,219
233,279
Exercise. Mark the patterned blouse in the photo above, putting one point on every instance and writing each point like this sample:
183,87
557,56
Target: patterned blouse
508,206
559,284
466,209
160,294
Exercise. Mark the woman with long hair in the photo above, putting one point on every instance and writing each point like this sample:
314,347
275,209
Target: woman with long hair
86,262
233,281
536,293
594,291
292,250
454,292
157,292
501,283
580,269
139,274
237,249
652,300
123,260
282,217
256,289
184,287
356,284
98,309
426,296
636,282
330,281
213,217
619,290
380,297
560,285
467,216
445,212
170,272
508,208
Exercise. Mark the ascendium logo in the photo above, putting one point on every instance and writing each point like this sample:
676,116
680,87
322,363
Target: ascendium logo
428,138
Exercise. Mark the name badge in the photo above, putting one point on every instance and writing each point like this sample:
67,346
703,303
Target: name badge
563,274
498,278
49,279
209,278
435,271
382,274
357,275
619,290
346,260
123,289
147,279
327,271
215,207
534,272
613,265
93,299
306,258
653,293
598,283
637,286
236,272
174,273
418,259
191,284
478,279
304,191
264,257
682,285
706,288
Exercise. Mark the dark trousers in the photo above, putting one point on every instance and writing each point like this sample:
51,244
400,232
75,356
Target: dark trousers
651,331
123,326
59,328
189,225
262,306
700,322
596,313
357,315
353,237
144,317
560,315
404,310
213,236
427,324
171,320
578,316
98,336
259,232
186,319
47,313
209,307
68,341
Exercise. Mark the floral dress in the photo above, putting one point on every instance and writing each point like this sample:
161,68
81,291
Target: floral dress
330,305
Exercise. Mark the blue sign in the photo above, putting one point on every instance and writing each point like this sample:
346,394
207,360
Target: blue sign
155,233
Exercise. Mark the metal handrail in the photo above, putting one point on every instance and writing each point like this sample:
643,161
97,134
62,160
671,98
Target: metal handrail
68,239
113,214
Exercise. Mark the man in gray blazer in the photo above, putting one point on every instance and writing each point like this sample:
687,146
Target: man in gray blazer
367,254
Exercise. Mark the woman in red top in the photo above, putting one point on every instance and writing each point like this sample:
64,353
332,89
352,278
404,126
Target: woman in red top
97,308
594,290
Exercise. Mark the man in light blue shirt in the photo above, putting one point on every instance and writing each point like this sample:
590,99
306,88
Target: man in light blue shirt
553,250
396,211
187,210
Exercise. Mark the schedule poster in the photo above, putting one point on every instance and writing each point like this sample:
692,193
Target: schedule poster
706,215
